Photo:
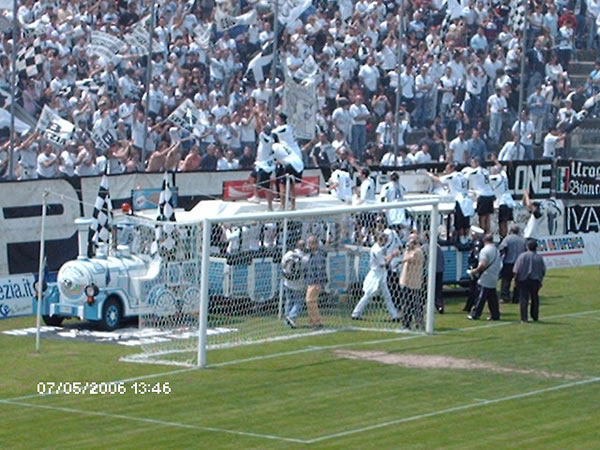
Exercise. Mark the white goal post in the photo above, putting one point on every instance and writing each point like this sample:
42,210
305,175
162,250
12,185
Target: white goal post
236,280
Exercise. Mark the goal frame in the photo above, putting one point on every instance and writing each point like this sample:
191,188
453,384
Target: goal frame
207,223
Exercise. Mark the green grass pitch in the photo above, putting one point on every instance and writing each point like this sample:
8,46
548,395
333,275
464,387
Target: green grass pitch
545,395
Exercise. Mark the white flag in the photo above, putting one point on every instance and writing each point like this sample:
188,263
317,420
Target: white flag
54,128
225,21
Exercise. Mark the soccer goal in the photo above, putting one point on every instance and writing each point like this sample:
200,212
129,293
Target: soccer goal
256,278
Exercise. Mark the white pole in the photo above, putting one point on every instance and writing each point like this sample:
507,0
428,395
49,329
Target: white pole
284,245
40,272
203,312
433,237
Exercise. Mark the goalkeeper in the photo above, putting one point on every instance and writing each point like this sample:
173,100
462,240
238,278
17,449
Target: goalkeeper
376,279
292,268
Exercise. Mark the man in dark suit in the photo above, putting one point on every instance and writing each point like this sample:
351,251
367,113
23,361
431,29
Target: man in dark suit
529,271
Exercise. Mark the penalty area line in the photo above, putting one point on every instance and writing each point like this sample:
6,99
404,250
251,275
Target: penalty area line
152,421
476,404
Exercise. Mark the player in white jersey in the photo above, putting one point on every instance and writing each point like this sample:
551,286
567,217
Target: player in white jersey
479,177
376,279
263,167
340,184
292,165
285,133
390,192
458,187
506,203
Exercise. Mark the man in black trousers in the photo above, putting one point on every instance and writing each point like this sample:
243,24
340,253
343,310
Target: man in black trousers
510,249
529,273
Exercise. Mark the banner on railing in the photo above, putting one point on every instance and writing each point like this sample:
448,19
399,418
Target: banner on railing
571,250
16,294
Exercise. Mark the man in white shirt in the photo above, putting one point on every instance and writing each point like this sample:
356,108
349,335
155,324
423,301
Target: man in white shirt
340,184
391,192
342,119
423,89
68,158
496,107
506,203
228,162
47,163
458,187
510,151
527,133
479,178
551,142
264,167
285,133
407,87
360,114
458,150
369,75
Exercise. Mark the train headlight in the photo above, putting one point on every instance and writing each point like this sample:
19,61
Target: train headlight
91,290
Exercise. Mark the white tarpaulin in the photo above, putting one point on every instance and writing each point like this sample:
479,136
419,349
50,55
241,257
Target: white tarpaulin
225,21
300,105
54,128
105,45
187,116
104,133
20,126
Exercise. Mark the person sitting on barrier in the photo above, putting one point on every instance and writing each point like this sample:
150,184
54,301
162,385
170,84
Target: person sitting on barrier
263,168
376,280
292,168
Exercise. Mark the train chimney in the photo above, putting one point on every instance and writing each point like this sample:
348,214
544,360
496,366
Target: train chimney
83,226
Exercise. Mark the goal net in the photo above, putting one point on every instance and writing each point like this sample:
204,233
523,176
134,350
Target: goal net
272,276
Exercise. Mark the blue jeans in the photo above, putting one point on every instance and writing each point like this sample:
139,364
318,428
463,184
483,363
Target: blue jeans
495,127
358,141
293,302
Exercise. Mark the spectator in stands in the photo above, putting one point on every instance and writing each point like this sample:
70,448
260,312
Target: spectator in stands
458,150
47,162
360,115
525,128
210,159
551,142
496,108
477,147
228,162
512,150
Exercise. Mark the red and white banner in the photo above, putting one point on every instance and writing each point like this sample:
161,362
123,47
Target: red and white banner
242,190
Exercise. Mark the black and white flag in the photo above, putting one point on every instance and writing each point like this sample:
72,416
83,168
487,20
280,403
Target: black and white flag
89,84
225,21
30,60
54,128
102,218
261,63
518,11
187,116
163,234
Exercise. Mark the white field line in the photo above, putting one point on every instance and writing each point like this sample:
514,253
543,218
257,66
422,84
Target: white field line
150,421
476,404
315,349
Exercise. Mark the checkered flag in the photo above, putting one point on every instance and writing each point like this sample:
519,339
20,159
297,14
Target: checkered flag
102,217
516,17
89,84
163,234
30,60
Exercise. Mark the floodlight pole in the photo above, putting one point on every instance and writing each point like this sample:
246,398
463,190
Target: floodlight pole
398,89
274,61
13,89
148,80
40,283
522,77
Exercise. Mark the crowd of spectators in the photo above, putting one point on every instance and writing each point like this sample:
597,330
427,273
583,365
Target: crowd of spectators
458,83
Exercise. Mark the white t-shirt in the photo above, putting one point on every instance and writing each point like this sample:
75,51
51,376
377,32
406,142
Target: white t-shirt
264,154
367,191
370,75
358,110
499,184
459,150
343,182
50,171
510,152
287,156
286,136
550,143
68,160
479,178
497,104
